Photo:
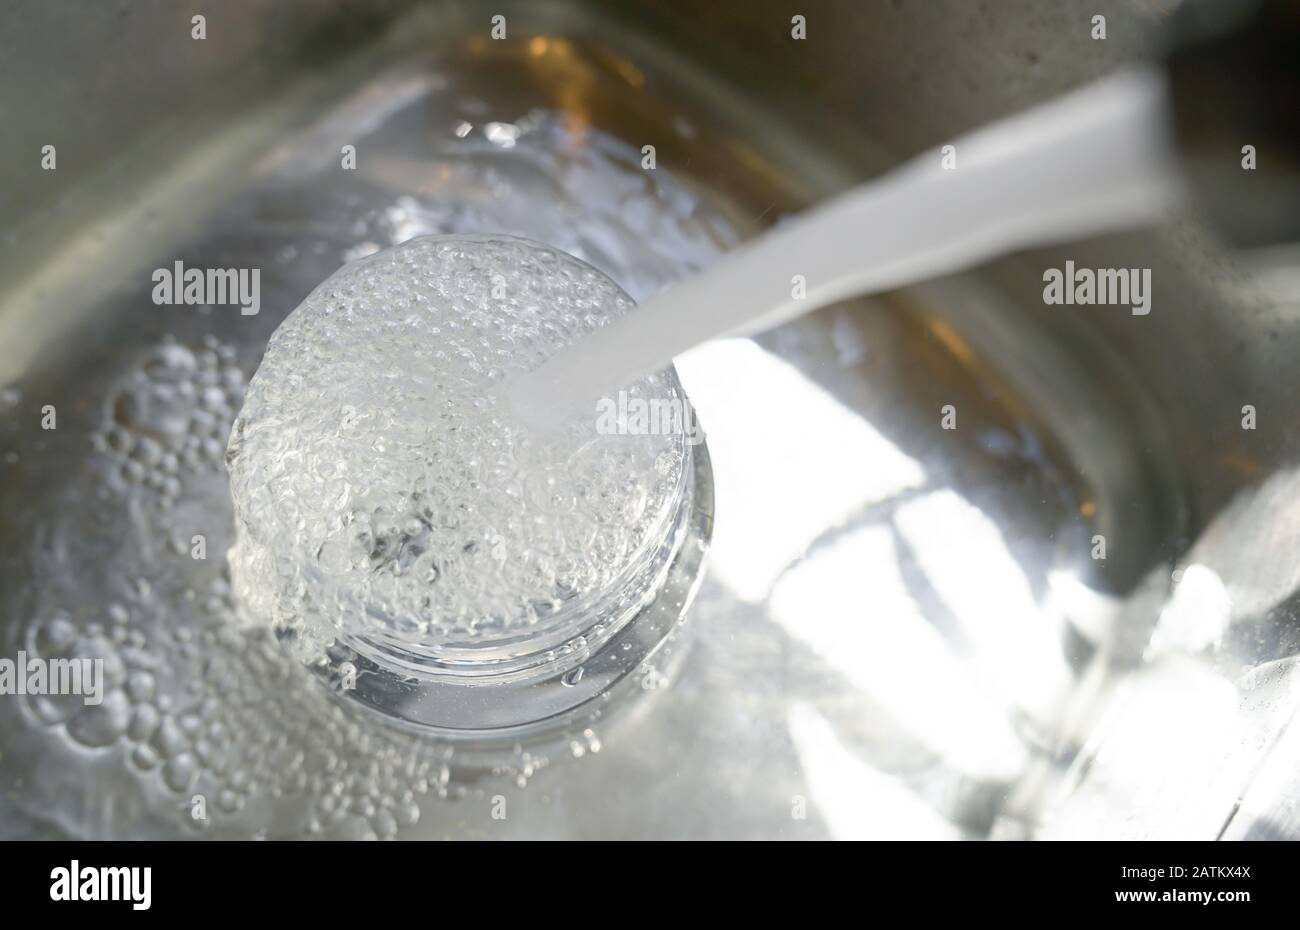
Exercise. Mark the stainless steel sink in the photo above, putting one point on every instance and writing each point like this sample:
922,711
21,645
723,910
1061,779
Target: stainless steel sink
905,631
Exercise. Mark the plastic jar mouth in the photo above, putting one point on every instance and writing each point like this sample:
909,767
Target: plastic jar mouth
539,691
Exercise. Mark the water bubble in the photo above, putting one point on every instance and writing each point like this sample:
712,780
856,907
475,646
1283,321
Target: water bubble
380,490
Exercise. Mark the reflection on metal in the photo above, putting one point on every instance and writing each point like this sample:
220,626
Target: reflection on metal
797,461
857,801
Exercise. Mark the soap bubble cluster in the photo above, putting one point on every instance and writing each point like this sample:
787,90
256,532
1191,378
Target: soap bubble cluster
382,491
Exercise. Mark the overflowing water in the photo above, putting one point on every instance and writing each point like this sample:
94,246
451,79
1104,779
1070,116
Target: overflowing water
379,493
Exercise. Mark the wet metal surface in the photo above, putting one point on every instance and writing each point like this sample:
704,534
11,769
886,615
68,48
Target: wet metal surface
902,632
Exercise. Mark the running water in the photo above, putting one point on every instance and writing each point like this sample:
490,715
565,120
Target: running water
1096,160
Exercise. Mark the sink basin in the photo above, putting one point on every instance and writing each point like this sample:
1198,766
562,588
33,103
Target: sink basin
981,567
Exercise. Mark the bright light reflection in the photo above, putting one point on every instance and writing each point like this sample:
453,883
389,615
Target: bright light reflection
850,604
1196,616
856,801
1093,613
1174,752
789,460
1015,644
